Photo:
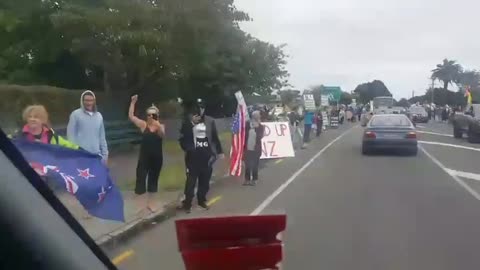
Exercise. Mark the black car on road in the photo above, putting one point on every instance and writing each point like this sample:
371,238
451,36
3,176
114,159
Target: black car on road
418,114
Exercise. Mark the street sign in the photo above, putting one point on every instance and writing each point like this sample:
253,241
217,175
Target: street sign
334,92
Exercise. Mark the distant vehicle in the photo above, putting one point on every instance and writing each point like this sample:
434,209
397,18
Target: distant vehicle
383,105
398,110
467,122
418,114
389,132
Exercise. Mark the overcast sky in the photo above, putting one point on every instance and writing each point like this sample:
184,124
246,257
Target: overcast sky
347,42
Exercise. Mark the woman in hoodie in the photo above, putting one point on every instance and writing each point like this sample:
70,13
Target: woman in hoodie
253,148
150,158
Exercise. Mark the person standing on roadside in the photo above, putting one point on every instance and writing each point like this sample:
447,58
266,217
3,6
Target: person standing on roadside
319,122
307,121
200,141
254,131
37,128
150,159
85,127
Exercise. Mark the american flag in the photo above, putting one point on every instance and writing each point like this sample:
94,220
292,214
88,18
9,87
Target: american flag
238,141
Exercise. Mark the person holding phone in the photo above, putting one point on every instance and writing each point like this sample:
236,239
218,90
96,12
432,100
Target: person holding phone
200,141
150,159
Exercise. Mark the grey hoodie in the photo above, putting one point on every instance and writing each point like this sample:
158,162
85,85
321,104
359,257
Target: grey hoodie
87,130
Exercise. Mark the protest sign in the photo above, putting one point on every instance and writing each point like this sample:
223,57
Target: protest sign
277,141
324,100
326,123
309,102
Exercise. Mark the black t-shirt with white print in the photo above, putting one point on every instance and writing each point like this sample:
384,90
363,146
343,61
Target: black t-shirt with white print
203,152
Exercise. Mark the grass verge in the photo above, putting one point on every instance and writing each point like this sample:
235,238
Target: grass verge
172,176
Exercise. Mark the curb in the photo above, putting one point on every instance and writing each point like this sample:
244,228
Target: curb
133,228
112,239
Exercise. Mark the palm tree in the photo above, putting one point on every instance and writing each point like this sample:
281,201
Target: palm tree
447,72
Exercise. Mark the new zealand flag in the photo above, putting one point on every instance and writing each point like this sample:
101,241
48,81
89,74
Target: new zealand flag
78,172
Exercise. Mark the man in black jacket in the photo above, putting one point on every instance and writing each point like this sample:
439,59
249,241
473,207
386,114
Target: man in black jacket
201,144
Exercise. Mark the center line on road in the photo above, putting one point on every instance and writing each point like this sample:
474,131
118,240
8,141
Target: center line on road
434,133
214,200
292,178
122,257
450,145
454,176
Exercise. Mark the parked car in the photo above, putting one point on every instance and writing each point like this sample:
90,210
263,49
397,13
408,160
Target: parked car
467,122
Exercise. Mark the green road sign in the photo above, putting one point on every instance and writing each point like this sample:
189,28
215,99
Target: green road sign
333,92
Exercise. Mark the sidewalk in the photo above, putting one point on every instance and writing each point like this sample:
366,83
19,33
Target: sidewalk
122,166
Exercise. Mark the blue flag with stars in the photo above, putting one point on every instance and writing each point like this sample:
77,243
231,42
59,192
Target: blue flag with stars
79,173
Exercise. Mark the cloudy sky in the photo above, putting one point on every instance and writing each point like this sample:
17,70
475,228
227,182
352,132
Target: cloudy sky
347,42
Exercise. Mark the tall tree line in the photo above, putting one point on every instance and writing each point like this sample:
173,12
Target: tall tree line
164,49
450,73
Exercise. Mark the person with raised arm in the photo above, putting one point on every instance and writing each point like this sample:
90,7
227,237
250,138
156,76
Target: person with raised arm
150,159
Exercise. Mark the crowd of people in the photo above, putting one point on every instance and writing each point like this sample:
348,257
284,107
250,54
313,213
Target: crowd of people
199,139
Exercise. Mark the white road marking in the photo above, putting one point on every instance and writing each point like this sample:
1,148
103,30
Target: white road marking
455,177
420,126
469,175
434,133
292,178
450,145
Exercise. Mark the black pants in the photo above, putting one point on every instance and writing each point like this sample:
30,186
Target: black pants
201,172
306,133
148,166
319,128
252,159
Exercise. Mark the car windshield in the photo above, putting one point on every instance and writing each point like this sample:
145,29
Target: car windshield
139,113
390,121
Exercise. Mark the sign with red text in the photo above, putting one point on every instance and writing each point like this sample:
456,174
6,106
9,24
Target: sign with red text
277,141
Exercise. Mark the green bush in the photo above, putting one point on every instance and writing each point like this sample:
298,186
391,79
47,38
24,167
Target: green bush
59,102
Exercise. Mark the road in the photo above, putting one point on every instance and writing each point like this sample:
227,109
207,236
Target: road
348,211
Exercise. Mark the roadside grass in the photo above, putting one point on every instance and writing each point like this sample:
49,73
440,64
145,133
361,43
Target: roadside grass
172,176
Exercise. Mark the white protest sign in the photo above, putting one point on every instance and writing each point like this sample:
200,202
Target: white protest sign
309,102
277,141
324,101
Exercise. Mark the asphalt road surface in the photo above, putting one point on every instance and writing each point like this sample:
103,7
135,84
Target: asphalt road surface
348,211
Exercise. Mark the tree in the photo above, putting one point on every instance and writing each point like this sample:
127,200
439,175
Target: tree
441,97
158,49
403,103
447,72
367,91
345,98
470,78
317,93
289,97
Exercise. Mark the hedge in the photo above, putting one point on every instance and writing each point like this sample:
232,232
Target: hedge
60,102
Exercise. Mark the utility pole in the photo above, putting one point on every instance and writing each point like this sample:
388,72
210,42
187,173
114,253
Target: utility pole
413,93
